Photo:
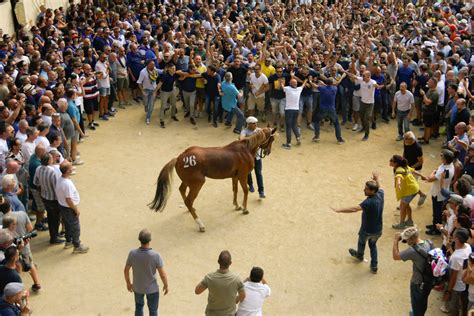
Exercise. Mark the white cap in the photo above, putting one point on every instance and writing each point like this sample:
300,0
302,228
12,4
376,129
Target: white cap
251,119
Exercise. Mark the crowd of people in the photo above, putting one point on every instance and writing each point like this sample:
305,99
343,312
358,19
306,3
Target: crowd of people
293,64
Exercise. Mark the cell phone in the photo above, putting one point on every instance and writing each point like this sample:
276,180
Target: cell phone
446,174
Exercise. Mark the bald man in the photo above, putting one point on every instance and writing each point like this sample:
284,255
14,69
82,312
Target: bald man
460,141
224,286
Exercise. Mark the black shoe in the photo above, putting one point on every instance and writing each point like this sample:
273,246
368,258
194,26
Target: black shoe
95,124
56,241
41,227
386,120
92,127
430,227
236,131
365,138
162,124
186,115
374,126
355,255
175,118
433,232
251,189
228,124
209,119
373,270
192,121
214,124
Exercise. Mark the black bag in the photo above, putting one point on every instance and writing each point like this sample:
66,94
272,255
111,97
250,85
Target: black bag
428,279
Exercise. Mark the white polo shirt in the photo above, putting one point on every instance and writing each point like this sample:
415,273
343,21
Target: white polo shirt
257,83
105,81
292,97
367,90
65,188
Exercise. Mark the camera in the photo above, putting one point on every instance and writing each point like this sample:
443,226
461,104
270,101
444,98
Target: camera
32,234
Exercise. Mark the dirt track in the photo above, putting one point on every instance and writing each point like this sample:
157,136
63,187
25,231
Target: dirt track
293,235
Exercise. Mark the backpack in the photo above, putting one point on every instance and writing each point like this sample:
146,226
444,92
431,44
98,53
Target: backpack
434,267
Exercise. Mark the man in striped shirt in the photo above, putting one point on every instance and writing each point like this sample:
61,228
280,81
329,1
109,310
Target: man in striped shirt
91,95
45,179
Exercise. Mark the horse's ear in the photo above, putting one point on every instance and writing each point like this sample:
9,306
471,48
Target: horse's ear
273,130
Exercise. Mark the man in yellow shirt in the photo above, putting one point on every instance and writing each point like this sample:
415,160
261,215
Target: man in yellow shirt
200,92
268,70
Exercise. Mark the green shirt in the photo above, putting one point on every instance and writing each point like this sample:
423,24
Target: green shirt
433,96
223,288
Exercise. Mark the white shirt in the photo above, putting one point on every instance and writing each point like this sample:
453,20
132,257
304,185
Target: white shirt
42,140
456,262
440,172
105,81
255,294
440,90
3,152
66,189
22,137
145,81
292,97
257,84
404,101
367,90
27,149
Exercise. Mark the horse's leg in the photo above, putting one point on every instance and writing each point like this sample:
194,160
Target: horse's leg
245,189
182,190
194,189
235,189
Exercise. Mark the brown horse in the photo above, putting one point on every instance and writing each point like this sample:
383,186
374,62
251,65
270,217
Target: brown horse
234,161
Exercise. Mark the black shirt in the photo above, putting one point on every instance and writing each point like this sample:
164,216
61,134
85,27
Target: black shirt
8,275
276,90
211,86
411,153
239,76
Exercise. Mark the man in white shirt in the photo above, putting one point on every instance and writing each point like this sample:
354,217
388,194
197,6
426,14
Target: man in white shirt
69,199
22,127
446,170
256,291
28,147
258,87
455,295
367,99
404,103
6,132
102,71
292,106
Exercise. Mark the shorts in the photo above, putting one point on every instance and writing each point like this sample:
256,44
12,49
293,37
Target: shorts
429,119
408,199
454,303
103,92
200,94
38,200
91,105
122,83
278,106
306,104
254,102
76,136
355,103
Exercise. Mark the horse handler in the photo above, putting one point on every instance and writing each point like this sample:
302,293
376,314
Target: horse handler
249,131
371,226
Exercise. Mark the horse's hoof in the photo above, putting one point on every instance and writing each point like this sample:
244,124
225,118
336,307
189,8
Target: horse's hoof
202,229
238,207
245,212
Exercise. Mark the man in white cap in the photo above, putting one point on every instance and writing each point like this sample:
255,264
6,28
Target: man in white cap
246,132
419,291
14,300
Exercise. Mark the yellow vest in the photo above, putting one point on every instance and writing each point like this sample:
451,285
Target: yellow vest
409,185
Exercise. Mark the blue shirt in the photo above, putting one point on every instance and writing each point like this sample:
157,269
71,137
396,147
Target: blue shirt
188,84
405,75
327,97
372,211
134,62
379,79
229,99
14,201
73,111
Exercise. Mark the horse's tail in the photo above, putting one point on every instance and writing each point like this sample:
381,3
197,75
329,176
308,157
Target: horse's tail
163,187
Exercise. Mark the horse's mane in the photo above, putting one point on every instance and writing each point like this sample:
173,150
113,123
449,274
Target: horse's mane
255,140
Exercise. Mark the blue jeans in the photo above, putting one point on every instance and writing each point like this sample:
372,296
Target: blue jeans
323,113
258,175
372,239
403,122
419,299
215,108
152,301
437,210
149,102
240,118
291,117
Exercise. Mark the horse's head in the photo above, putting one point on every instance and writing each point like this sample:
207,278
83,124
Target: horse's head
270,134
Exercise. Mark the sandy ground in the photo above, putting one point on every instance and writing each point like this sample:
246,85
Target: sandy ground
301,244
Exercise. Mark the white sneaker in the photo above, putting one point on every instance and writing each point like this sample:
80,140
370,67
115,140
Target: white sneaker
355,127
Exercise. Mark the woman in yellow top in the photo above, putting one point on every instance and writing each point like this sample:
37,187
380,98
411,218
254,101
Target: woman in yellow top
406,188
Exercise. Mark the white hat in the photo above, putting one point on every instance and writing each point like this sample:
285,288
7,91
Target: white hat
251,119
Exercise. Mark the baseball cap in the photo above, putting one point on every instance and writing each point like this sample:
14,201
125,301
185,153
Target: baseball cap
251,119
455,198
408,233
13,288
